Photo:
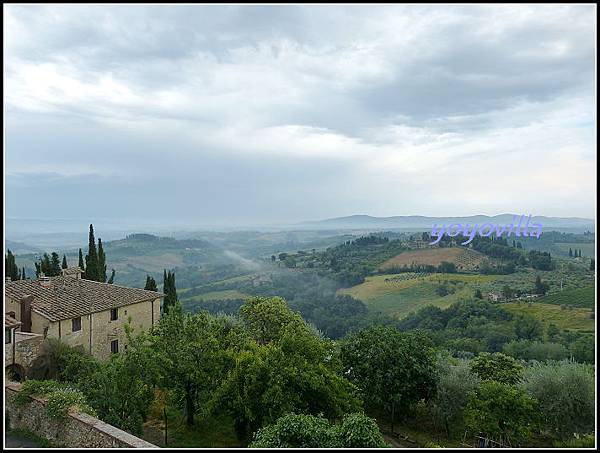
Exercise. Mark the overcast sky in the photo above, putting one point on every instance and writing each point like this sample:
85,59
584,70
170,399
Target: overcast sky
276,114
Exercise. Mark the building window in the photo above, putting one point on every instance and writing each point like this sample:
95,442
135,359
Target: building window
114,314
114,346
7,336
76,324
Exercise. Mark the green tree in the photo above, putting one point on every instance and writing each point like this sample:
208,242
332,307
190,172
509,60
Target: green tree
309,431
266,317
10,266
392,369
565,391
64,262
190,358
169,290
583,349
540,287
111,279
150,284
528,327
592,264
502,412
92,270
81,264
54,265
497,367
101,262
282,370
454,382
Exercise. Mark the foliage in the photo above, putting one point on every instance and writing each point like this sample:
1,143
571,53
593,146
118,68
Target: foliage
393,370
284,367
497,367
502,412
61,397
585,441
170,290
57,360
188,352
61,401
535,350
10,266
454,382
307,431
527,327
565,391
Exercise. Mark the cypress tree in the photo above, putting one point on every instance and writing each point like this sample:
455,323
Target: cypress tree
570,253
23,277
101,262
169,290
10,266
81,265
45,265
112,277
92,271
64,262
54,265
150,284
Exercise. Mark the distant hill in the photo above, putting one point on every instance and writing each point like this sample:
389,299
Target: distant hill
425,223
20,248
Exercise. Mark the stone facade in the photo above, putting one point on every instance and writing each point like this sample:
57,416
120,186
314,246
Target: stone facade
23,349
75,430
96,330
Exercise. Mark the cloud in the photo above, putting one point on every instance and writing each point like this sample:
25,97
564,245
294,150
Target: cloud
307,111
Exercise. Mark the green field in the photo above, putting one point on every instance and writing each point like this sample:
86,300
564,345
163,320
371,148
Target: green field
397,296
580,297
576,319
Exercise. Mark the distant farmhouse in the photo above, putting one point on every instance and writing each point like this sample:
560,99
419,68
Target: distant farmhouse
85,314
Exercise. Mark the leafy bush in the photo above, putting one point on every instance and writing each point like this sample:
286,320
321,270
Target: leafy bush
357,431
497,367
60,397
62,400
454,382
308,431
504,413
33,387
535,350
565,391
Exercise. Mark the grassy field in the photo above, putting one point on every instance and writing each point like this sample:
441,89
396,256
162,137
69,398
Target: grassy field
464,259
398,296
580,297
576,319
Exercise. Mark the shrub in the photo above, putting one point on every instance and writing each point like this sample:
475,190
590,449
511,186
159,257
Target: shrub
308,431
565,391
497,367
504,413
61,401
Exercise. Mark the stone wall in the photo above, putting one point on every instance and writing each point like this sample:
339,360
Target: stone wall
75,430
27,348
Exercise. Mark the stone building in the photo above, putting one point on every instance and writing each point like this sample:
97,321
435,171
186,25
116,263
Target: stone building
83,313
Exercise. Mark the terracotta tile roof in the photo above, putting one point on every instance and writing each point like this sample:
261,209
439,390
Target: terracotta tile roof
10,322
70,297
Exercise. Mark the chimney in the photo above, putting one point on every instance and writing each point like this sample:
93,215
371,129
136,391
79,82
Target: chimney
26,313
44,281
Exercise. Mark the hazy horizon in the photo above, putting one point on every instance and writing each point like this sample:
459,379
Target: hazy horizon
273,115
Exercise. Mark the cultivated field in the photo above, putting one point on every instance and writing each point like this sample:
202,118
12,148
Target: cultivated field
465,259
565,318
398,295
